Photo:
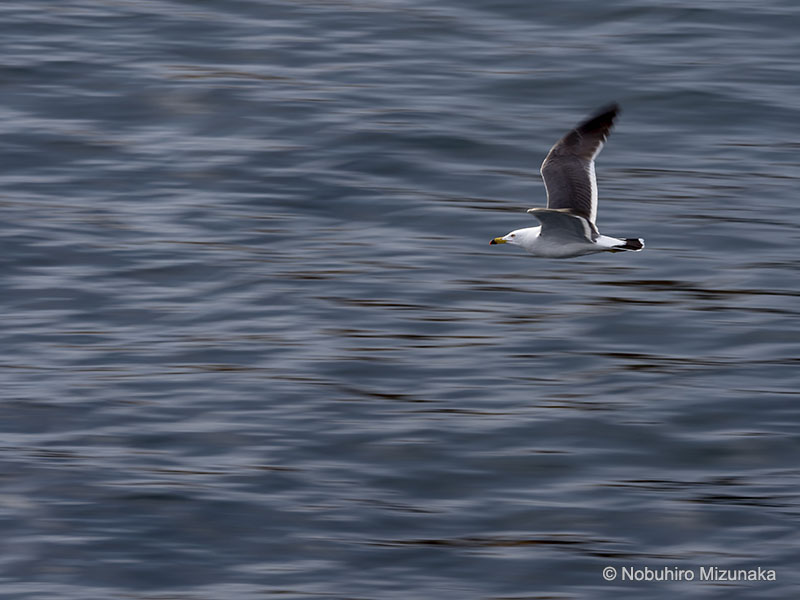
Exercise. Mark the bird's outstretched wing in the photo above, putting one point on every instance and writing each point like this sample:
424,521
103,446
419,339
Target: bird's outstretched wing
564,226
568,170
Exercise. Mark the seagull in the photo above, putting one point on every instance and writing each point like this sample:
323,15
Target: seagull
567,224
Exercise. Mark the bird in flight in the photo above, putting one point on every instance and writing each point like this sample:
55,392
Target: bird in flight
568,223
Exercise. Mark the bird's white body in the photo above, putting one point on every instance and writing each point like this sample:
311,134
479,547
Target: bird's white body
531,241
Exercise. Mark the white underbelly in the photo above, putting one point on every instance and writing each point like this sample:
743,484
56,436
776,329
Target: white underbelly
562,250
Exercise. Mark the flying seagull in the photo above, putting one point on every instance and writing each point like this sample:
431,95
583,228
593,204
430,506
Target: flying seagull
567,224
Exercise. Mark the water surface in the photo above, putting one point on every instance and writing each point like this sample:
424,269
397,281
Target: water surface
256,342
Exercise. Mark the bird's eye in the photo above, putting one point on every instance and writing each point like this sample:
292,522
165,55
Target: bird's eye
513,235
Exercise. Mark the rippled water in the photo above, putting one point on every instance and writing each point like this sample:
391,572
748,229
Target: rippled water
256,342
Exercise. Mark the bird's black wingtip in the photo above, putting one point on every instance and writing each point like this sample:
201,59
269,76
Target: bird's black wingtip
602,120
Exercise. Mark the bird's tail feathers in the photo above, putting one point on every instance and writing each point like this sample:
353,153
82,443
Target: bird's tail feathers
630,244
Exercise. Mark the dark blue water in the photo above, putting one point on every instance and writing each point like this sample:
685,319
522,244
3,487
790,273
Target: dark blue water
256,344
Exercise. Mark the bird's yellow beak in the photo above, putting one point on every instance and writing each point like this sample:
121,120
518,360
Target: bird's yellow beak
498,241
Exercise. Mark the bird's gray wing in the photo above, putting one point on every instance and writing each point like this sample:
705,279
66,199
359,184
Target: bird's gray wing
568,170
564,226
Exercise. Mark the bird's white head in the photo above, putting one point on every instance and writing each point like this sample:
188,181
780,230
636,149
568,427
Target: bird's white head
518,236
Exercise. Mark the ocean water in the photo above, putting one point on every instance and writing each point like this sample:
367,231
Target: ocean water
256,343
